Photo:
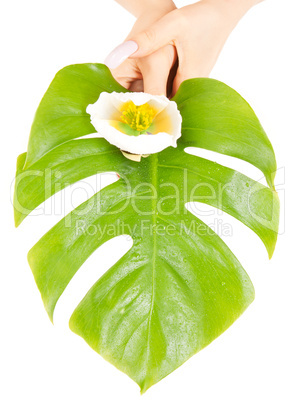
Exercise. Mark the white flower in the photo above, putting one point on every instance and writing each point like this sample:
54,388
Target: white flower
136,122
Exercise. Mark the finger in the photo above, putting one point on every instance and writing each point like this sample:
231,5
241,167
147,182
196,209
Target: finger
159,34
154,83
136,86
127,73
163,32
156,68
120,54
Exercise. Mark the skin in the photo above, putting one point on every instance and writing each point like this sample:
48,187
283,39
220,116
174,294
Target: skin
193,36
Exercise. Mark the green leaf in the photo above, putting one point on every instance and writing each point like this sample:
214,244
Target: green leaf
61,115
179,286
217,118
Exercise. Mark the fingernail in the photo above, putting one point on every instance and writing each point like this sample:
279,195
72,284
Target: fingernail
121,53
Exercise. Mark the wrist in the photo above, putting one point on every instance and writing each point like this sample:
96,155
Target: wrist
140,7
150,12
236,7
231,11
156,7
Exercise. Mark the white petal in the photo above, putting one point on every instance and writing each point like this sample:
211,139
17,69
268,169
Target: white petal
103,108
108,107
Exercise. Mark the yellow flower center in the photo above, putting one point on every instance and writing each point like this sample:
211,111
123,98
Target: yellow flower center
138,117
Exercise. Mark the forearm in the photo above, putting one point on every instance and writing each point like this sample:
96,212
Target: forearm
138,7
230,11
246,4
236,8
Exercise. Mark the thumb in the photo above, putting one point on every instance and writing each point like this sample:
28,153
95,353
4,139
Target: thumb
159,34
162,32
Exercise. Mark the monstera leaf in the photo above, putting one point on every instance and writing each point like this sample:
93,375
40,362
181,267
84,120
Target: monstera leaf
179,286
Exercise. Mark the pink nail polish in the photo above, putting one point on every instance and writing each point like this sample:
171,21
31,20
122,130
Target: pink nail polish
121,53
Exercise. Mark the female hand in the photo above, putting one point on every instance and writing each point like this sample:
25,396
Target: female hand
197,32
149,73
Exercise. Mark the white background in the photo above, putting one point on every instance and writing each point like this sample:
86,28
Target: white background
254,359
